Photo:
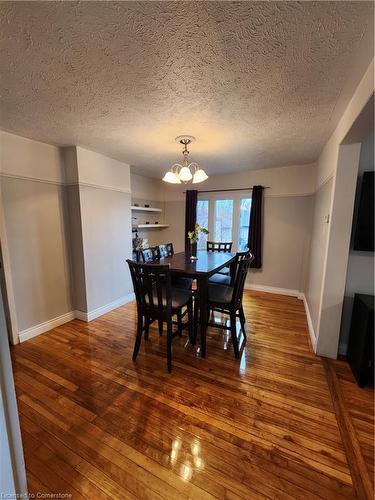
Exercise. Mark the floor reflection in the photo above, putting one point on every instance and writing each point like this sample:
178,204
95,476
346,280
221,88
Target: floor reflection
183,461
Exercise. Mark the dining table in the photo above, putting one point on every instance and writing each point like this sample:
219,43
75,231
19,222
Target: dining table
206,265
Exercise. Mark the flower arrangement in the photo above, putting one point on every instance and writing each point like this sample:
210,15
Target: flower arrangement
194,235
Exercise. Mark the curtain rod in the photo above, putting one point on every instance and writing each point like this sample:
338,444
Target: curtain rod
235,189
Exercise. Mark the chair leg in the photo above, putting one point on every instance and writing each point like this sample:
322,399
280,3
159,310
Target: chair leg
147,326
196,320
179,322
233,331
138,337
169,344
160,322
190,321
243,314
243,321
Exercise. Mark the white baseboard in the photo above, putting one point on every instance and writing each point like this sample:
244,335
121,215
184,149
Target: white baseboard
95,313
292,293
29,333
309,322
273,289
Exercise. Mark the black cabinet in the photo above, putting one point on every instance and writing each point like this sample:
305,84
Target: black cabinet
361,341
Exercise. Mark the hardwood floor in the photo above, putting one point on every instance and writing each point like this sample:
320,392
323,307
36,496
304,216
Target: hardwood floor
279,423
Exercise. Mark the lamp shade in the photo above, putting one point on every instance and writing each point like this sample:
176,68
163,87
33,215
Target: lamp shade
171,177
185,174
199,176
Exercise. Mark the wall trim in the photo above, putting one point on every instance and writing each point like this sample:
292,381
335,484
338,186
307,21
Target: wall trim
29,333
309,322
273,289
99,186
61,183
95,313
33,179
36,330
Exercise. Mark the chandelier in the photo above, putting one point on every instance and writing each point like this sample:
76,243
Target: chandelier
185,171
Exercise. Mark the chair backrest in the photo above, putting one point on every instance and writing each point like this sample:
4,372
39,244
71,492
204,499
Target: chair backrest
216,246
166,250
245,254
240,278
149,255
152,285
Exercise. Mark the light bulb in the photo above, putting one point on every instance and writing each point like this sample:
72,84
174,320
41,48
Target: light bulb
185,174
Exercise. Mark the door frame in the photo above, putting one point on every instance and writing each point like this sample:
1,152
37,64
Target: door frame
6,280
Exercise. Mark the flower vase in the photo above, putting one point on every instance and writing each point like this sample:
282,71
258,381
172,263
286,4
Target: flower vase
193,246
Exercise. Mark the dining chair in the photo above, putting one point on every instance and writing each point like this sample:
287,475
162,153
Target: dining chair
157,300
222,279
228,300
216,246
166,250
149,255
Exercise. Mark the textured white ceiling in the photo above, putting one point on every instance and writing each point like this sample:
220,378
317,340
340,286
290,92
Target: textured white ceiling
260,84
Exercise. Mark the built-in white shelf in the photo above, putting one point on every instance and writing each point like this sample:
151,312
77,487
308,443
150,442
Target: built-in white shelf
146,209
145,226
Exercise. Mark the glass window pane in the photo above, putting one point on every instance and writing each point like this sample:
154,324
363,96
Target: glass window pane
223,220
202,220
243,230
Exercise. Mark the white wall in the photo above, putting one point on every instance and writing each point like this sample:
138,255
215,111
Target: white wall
325,285
360,274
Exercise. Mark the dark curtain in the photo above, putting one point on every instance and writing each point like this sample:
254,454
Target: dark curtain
190,215
256,226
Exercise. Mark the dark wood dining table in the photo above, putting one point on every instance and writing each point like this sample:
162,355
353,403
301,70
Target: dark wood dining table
208,263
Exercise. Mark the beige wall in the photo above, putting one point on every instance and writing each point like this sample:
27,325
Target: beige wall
147,190
77,263
100,229
286,242
23,157
68,231
107,244
37,243
319,235
36,227
295,180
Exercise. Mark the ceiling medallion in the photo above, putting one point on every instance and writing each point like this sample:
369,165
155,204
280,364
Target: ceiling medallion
185,171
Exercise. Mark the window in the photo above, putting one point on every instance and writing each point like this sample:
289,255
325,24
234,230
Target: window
223,220
226,219
243,225
202,220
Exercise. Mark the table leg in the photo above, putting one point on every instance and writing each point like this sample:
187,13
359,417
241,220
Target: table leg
203,299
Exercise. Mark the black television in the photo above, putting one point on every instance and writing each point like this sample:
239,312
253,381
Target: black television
364,231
